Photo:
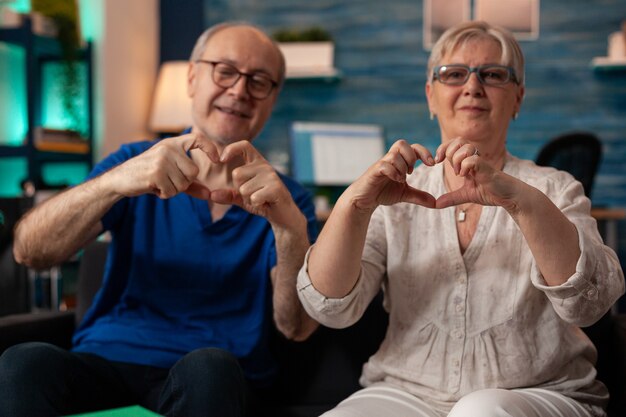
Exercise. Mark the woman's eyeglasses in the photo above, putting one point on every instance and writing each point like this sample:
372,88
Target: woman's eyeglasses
458,74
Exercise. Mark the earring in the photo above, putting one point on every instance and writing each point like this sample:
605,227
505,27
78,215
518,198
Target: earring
432,116
515,115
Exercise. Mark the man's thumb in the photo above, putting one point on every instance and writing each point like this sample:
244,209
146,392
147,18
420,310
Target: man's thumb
198,191
226,196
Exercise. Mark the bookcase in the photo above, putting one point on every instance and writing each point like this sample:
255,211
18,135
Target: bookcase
39,52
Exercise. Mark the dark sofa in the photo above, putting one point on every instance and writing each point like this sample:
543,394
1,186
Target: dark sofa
316,374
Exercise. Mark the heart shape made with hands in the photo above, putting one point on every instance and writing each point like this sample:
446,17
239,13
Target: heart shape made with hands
482,185
388,174
404,192
422,198
201,187
233,156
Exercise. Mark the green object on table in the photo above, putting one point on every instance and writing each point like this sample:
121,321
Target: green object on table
134,411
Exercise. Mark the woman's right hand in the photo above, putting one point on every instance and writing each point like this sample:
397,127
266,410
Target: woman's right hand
384,183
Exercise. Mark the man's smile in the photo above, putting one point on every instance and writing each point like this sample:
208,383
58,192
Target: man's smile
234,112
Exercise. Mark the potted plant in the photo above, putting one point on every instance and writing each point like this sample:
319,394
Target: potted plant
309,52
64,14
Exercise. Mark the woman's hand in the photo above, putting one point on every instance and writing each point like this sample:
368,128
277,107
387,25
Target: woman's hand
335,260
384,183
483,184
550,235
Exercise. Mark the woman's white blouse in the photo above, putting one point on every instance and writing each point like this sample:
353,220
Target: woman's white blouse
484,319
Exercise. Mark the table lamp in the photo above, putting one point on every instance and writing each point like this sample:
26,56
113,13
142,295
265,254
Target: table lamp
171,107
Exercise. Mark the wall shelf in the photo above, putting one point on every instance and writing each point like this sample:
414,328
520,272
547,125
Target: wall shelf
13,151
616,51
310,61
606,64
48,156
39,51
41,45
330,76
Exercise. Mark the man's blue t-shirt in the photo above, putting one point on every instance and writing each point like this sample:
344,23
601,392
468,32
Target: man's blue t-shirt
176,281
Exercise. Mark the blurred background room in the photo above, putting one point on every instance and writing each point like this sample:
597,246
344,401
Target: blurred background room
80,78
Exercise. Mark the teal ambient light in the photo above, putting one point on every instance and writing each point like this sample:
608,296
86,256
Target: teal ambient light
12,95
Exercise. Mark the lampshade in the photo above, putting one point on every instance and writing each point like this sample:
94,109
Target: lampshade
171,108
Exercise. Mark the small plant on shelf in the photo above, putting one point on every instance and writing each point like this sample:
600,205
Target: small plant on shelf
312,34
64,13
309,52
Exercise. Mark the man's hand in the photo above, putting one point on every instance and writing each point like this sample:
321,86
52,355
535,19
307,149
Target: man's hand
165,169
257,188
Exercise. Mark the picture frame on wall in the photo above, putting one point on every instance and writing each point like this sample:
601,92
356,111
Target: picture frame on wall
440,15
521,17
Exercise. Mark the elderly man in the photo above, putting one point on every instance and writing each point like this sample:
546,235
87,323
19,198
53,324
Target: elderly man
207,242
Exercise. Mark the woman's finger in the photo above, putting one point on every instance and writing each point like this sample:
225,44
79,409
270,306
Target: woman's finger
462,153
390,171
406,152
469,164
423,154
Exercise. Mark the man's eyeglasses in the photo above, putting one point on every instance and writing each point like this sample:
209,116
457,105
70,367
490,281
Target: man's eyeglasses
458,74
225,75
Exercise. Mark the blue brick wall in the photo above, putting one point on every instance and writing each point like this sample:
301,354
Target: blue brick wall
379,52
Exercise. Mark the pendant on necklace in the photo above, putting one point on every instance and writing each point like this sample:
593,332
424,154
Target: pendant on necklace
461,216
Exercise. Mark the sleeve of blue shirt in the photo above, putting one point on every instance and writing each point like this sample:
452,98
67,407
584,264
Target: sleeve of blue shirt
125,153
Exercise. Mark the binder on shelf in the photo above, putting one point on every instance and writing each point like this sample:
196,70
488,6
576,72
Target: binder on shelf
40,25
10,19
60,140
43,25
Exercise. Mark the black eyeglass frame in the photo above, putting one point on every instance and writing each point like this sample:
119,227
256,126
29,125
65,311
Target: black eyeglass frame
248,76
470,70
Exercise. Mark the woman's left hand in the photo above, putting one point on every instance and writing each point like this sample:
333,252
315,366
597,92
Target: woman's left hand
483,184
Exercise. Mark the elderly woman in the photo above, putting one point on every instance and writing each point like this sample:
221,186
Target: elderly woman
489,263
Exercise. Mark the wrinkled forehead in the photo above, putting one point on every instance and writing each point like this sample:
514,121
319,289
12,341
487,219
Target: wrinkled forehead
245,47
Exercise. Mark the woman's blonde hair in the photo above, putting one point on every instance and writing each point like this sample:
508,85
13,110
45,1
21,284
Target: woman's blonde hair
463,33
